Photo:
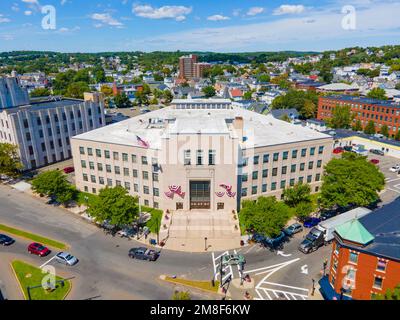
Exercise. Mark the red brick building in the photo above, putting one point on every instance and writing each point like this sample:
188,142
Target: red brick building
364,109
365,258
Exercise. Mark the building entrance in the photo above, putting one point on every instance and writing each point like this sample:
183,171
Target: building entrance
200,195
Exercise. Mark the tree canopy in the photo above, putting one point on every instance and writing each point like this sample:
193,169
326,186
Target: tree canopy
209,91
114,205
121,100
10,163
305,102
266,216
377,93
351,180
299,198
341,117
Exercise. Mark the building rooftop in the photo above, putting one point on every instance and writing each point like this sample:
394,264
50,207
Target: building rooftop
354,231
338,87
48,104
355,99
260,130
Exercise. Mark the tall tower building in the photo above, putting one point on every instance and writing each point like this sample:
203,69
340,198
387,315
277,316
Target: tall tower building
187,66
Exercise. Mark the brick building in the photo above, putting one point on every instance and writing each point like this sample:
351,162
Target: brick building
365,258
365,109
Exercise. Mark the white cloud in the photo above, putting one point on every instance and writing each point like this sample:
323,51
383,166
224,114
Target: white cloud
289,9
68,30
107,19
7,37
255,11
3,19
28,12
63,2
31,1
178,13
236,12
217,17
298,33
15,7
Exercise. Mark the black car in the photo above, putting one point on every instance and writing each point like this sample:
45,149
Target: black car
6,240
328,214
144,254
377,152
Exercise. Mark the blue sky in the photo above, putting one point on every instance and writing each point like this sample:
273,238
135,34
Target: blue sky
207,25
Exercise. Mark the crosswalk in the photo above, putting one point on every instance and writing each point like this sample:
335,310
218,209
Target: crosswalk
276,291
228,270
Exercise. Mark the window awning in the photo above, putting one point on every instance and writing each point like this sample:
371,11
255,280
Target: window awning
328,292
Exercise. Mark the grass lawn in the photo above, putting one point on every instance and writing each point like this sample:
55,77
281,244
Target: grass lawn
81,198
202,285
29,275
33,237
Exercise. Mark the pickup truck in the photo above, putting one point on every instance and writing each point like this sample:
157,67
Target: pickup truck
144,254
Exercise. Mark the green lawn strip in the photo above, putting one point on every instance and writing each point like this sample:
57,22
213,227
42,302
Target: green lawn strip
29,275
202,285
33,237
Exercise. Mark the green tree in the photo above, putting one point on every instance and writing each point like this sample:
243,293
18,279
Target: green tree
297,194
377,93
77,89
390,294
54,184
121,100
114,205
168,96
265,216
108,92
385,130
286,118
264,78
209,91
357,126
341,117
99,74
309,109
248,95
370,127
10,163
40,92
351,179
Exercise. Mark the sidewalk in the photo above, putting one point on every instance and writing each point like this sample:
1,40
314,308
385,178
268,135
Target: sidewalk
8,283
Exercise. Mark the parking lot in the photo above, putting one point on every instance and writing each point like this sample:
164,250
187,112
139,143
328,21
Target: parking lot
392,188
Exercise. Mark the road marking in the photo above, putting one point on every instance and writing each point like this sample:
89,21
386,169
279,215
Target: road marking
285,286
47,262
397,191
280,265
250,249
226,269
281,253
304,269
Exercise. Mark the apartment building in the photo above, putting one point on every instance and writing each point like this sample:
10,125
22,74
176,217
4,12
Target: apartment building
190,68
365,259
200,158
42,130
381,112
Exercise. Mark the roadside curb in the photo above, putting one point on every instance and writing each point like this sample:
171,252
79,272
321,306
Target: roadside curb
16,278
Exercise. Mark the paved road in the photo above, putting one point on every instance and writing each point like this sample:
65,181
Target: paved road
106,272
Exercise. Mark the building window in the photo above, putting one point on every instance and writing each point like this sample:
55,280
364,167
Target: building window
378,282
187,158
85,177
83,164
276,156
266,158
284,170
245,177
285,155
319,163
283,184
101,180
293,168
294,154
156,192
381,266
302,166
144,160
91,165
99,167
117,170
264,188
244,192
274,172
126,172
155,177
145,175
273,186
118,183
109,182
199,156
292,182
317,177
353,257
220,206
90,151
256,159
116,156
134,173
134,158
127,186
309,179
254,190
211,157
303,152
255,175
81,150
156,205
106,154
146,190
125,157
265,173
311,165
312,151
321,150
98,153
108,168
93,179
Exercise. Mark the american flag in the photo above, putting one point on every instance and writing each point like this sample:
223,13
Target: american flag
142,143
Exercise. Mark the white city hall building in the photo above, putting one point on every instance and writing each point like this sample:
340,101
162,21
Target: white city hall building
200,156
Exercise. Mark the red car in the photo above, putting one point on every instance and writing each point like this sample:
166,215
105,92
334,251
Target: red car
338,150
38,249
375,161
69,170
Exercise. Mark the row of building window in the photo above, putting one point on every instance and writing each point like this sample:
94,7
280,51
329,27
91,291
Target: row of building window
284,170
363,107
116,155
285,155
283,185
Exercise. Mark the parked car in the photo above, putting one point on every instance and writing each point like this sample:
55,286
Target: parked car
374,161
144,254
328,214
6,240
126,232
395,168
233,259
53,202
338,150
69,170
348,148
38,249
293,229
311,222
275,242
66,258
377,152
313,240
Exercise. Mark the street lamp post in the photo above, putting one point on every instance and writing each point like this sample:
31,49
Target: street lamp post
313,287
205,243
